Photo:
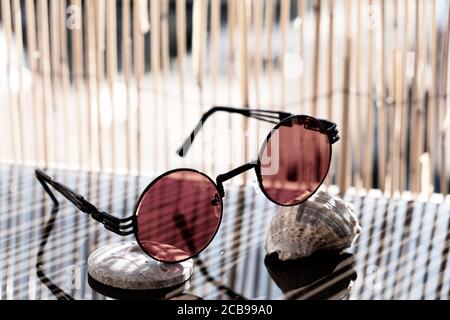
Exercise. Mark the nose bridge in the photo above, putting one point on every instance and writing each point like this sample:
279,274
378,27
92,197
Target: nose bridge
233,173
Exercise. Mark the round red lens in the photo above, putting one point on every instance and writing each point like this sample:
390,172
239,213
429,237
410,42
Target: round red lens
178,215
295,160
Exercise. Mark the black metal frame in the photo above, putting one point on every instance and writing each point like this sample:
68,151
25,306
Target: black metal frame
134,216
325,126
128,226
270,116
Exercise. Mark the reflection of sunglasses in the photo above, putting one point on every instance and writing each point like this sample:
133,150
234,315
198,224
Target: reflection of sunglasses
172,293
179,213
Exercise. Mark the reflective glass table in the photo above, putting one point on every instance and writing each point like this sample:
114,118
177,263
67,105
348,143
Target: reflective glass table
401,253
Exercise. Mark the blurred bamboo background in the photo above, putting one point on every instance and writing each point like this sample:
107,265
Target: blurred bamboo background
117,85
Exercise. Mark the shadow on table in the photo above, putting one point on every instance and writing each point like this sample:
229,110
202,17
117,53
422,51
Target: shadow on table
324,275
56,291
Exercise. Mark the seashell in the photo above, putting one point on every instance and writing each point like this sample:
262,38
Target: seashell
322,222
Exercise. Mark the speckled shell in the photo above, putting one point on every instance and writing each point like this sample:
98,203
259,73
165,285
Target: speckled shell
322,222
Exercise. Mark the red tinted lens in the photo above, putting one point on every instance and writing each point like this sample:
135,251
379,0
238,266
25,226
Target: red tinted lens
178,216
295,160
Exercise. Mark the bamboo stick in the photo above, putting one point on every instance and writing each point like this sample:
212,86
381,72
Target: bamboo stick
78,62
155,11
126,66
346,101
421,105
413,150
444,176
315,76
231,17
31,42
425,158
215,29
165,73
431,133
381,103
100,29
199,17
20,59
3,156
64,60
196,39
165,60
45,71
55,47
393,116
358,71
91,77
397,105
139,13
231,10
443,113
395,154
15,97
55,63
214,58
331,55
284,24
257,67
11,100
111,60
155,35
181,53
198,44
416,111
369,127
243,53
257,26
243,63
330,96
268,26
404,94
301,4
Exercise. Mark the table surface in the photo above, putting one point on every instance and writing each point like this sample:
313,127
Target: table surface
401,253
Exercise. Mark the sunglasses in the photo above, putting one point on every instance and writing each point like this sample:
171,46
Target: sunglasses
179,213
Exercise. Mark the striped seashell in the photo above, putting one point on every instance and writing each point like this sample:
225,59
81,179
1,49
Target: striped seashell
322,222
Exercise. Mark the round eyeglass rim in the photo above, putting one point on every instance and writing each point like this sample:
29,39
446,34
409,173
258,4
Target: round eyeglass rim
258,164
143,193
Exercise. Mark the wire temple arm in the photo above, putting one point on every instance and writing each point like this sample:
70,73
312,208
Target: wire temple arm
332,131
122,227
263,115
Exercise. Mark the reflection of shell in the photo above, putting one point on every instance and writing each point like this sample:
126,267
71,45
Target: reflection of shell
325,275
322,222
